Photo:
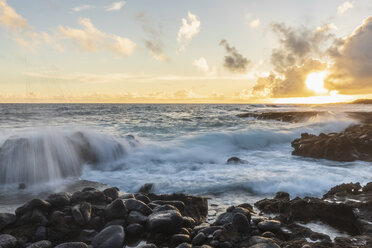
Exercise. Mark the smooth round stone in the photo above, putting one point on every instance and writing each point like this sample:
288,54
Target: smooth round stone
112,236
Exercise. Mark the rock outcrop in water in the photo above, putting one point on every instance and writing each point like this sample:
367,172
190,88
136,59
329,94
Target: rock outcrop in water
93,218
282,116
354,143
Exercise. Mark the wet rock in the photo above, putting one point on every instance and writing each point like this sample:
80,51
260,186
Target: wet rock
167,222
228,216
261,242
143,198
188,222
87,235
343,190
148,246
86,211
6,220
7,241
111,236
136,205
120,222
113,193
177,204
268,234
92,196
116,210
146,188
160,208
235,160
354,143
41,244
134,230
241,224
184,245
41,233
77,215
284,196
199,239
59,200
180,238
72,245
31,205
136,217
269,225
282,116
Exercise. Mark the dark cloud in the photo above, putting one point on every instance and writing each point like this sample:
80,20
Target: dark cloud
297,44
352,69
153,37
234,61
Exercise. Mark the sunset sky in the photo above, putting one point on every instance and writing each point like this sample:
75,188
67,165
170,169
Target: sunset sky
185,51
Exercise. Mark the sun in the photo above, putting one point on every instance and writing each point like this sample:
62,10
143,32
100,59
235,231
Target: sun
315,82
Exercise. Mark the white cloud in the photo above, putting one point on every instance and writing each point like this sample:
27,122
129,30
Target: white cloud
115,6
10,19
344,7
202,65
188,30
255,23
82,7
93,39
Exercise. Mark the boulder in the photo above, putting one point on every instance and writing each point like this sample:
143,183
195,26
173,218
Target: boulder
59,200
72,245
116,210
112,236
7,241
6,220
112,192
136,205
31,205
136,217
241,224
41,244
269,225
167,222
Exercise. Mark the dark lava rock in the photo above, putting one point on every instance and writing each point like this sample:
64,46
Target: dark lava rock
228,216
90,195
86,211
354,143
241,224
134,234
7,241
72,245
59,200
184,245
143,198
136,205
282,116
343,190
269,225
235,160
120,222
136,217
41,244
87,235
41,233
146,188
113,193
111,236
116,210
261,242
180,238
31,205
6,219
167,222
77,215
282,196
199,239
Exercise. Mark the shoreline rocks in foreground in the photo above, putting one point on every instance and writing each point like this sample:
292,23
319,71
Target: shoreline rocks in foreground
354,143
94,218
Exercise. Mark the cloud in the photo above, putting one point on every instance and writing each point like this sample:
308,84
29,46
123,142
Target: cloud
153,39
352,69
10,19
298,44
92,39
190,27
291,83
202,65
115,6
255,23
234,61
82,7
344,7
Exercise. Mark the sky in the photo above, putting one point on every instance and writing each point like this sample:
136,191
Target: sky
173,51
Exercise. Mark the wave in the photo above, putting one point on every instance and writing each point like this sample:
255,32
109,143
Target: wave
52,154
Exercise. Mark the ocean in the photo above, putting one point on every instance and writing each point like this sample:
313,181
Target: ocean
179,148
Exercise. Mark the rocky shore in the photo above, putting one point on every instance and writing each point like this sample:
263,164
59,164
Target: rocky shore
111,219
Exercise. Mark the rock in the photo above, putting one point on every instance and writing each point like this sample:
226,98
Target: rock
7,241
167,222
261,242
116,210
136,205
180,238
136,217
228,216
241,224
282,116
188,222
235,160
184,245
160,208
31,205
87,235
354,143
41,244
77,215
6,220
41,233
120,222
72,245
22,186
134,230
112,236
113,193
86,211
148,246
143,198
343,190
146,188
282,196
265,245
199,239
269,225
177,204
268,234
92,196
59,200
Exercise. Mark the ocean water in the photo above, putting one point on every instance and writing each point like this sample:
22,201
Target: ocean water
179,148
